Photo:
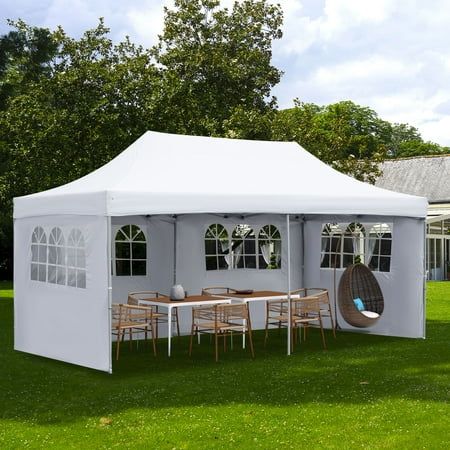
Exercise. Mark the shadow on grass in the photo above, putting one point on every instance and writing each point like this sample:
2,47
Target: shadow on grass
356,369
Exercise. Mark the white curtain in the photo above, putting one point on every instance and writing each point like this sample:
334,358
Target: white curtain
371,247
266,251
225,246
325,240
237,255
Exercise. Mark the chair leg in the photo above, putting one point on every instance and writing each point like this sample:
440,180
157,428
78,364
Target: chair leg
153,337
216,338
118,345
322,332
193,329
250,338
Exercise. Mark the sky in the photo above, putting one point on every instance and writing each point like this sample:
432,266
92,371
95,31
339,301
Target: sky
390,55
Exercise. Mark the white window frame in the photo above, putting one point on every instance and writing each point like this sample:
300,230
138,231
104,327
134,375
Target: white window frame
57,247
130,240
76,259
39,255
218,237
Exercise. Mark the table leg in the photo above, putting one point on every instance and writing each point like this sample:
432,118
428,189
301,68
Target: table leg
169,329
243,334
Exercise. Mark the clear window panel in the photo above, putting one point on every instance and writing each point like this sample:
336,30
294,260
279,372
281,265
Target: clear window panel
262,263
385,263
139,268
34,252
71,277
347,260
81,279
385,247
210,247
60,253
373,263
42,272
61,275
71,257
249,246
52,274
123,267
222,263
211,263
34,272
81,258
325,260
43,253
250,262
139,250
123,250
52,259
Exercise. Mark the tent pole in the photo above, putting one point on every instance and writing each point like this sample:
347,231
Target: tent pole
288,235
175,250
108,268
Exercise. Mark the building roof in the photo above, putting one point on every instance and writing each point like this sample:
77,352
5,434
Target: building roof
173,174
427,176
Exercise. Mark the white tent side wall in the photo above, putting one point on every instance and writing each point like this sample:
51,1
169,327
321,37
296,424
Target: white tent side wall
53,319
402,286
191,265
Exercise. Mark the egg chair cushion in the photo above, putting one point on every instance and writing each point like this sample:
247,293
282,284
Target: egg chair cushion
359,304
370,314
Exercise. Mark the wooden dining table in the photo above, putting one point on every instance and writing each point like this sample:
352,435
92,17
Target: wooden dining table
189,301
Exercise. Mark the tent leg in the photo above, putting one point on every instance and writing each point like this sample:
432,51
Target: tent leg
288,235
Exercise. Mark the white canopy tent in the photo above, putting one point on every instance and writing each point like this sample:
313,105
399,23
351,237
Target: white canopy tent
63,236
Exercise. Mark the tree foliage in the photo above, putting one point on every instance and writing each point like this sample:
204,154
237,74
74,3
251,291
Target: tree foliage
216,62
67,106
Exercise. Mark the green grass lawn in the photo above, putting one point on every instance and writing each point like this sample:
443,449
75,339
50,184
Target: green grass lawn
365,391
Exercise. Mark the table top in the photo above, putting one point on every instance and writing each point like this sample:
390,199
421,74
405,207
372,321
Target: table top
189,300
259,295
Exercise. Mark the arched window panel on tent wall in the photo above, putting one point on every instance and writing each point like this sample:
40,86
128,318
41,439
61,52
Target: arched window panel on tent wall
56,257
217,248
76,259
353,247
243,247
379,247
39,255
269,246
130,251
331,244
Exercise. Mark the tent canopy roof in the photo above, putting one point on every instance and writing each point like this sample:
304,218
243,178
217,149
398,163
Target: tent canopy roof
174,174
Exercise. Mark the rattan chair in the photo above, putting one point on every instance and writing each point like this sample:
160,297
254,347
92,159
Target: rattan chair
217,290
326,311
132,320
305,311
358,281
138,298
221,321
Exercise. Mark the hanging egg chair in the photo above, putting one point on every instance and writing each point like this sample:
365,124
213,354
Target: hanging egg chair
360,298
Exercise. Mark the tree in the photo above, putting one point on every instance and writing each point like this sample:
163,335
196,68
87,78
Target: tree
348,137
96,99
25,56
216,62
420,148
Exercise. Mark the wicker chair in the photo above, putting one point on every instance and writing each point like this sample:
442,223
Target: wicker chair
305,311
217,290
323,296
358,281
131,320
138,298
221,321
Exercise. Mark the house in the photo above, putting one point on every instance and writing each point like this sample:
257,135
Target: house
427,176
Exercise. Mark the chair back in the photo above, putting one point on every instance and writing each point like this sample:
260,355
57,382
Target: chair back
232,311
217,290
306,306
321,293
135,298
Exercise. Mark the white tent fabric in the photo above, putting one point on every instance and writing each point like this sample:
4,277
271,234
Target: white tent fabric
62,304
172,174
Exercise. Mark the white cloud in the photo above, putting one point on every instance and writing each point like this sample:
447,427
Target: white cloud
392,56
